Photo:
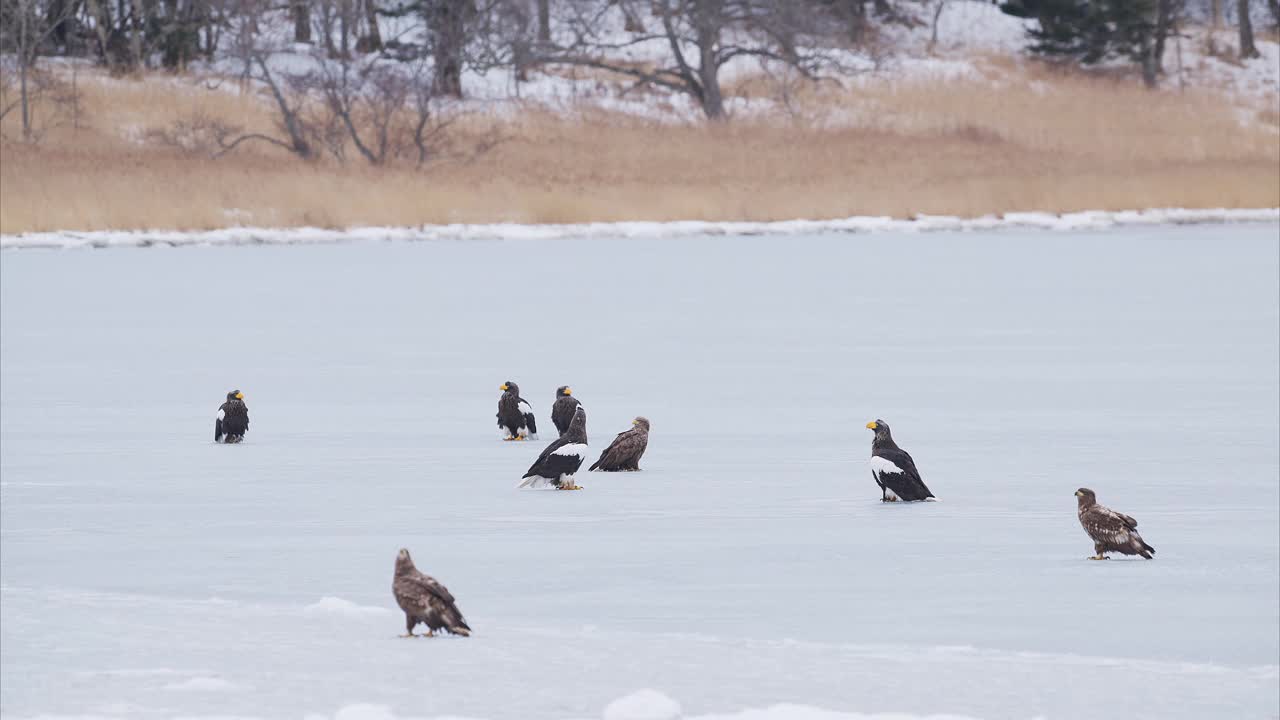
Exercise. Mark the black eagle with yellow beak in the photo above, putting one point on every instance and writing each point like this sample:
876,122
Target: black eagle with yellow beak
233,419
515,416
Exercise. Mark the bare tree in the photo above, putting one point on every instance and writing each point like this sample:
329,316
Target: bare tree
25,28
1247,48
701,37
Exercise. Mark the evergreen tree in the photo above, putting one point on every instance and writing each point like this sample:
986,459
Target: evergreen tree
1091,31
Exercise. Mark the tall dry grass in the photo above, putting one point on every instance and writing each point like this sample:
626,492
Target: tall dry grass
1043,142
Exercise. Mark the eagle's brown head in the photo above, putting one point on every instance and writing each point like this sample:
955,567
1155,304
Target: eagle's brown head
642,423
1086,497
404,563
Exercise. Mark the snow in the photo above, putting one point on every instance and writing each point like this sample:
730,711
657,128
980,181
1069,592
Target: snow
749,572
643,705
1087,220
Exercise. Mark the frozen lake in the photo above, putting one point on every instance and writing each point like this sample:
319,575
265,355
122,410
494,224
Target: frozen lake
149,573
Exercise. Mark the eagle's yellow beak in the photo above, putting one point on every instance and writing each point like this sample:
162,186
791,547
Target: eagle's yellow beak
503,387
871,425
568,391
1079,494
239,396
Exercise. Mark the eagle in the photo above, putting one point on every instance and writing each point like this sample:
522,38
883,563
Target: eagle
562,458
562,410
1111,531
515,417
893,469
425,600
626,449
233,419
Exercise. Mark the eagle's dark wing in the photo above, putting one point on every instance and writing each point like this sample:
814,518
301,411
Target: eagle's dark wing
894,469
624,452
1107,526
561,457
423,595
529,420
217,424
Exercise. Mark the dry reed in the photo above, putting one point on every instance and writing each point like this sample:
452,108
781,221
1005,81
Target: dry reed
1041,141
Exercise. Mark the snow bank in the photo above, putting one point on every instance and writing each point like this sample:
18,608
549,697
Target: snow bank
201,684
1088,220
643,705
329,605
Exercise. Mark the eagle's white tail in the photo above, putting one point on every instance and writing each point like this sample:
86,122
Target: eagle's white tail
535,481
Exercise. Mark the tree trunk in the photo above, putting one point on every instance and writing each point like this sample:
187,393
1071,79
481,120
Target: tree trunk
22,79
1164,20
544,23
101,14
1150,66
709,73
135,36
1247,48
448,22
372,41
301,12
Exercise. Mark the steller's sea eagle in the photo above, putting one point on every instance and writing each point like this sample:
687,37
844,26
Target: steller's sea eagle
561,459
893,469
623,454
515,417
1111,531
424,600
562,410
233,419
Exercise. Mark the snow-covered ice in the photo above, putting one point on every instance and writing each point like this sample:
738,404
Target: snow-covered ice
749,573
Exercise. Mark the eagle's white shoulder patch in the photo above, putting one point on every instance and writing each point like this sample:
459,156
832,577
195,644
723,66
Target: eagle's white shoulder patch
222,414
578,449
524,408
880,465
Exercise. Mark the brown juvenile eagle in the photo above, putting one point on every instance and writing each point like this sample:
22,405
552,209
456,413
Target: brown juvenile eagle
1111,531
233,419
623,454
562,410
893,469
424,600
515,417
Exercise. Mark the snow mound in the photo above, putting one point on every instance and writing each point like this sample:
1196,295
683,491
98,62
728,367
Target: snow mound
1086,220
201,684
329,605
643,705
805,712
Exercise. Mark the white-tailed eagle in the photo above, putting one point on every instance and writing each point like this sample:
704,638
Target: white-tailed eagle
623,454
424,600
1111,531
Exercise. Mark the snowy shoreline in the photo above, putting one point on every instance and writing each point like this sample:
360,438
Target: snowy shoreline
1087,220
